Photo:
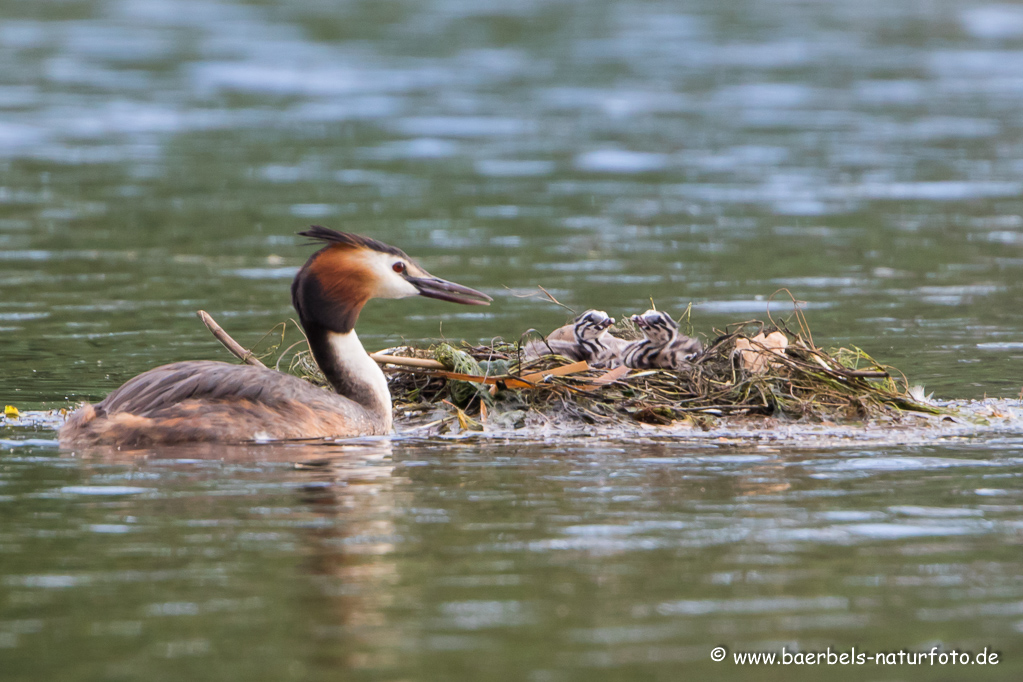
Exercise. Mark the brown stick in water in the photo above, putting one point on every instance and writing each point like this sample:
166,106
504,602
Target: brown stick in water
236,348
423,363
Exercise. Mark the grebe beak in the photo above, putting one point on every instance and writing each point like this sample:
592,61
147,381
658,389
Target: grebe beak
434,287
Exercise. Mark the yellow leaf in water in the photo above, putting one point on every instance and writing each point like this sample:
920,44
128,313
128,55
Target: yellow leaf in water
11,412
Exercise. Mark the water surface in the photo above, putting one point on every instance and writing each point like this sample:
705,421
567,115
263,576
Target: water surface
158,156
413,560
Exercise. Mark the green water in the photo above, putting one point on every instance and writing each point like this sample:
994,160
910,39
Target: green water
158,157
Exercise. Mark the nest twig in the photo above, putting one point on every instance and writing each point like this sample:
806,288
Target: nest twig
490,381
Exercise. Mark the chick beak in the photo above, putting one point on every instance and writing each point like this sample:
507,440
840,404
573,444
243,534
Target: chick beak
434,287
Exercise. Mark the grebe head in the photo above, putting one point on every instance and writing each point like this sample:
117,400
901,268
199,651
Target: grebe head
591,324
658,326
337,280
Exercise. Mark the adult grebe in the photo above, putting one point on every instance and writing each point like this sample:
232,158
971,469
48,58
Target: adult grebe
215,401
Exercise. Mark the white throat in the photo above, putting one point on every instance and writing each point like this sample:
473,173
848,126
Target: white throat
368,385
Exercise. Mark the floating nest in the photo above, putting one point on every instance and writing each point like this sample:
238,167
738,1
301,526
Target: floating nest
737,375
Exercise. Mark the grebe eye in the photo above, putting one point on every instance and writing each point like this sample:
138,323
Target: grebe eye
398,267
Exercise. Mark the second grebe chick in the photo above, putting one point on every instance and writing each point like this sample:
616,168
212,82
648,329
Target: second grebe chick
220,402
663,346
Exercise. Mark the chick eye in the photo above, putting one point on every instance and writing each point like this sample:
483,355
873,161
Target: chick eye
398,267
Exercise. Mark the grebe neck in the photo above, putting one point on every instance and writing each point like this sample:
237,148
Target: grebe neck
351,372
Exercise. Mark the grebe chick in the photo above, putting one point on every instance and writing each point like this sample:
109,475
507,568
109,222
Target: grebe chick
589,340
598,347
663,347
219,402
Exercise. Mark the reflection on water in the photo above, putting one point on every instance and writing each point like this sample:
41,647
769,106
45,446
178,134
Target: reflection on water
414,560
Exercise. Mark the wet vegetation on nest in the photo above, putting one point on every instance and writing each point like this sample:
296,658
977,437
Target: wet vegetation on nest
738,374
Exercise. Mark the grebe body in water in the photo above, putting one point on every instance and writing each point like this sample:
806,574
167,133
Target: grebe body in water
207,401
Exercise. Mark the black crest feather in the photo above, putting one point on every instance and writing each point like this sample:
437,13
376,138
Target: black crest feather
325,234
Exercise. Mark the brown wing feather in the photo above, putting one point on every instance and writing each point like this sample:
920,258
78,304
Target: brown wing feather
215,401
164,386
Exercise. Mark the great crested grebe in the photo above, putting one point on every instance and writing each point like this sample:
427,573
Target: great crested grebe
663,347
588,340
219,402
